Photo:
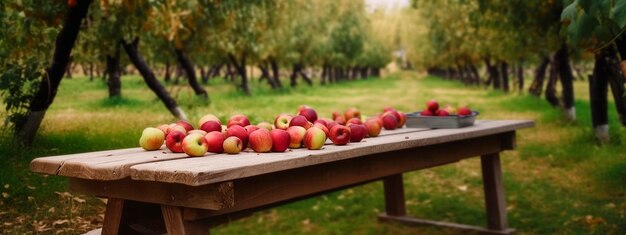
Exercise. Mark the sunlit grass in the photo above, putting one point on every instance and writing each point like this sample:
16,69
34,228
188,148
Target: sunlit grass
558,181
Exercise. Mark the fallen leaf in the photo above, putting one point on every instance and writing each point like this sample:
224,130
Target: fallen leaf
5,195
31,187
60,222
79,200
462,188
7,186
306,222
52,210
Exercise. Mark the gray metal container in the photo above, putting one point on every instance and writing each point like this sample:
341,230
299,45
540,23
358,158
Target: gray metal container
446,122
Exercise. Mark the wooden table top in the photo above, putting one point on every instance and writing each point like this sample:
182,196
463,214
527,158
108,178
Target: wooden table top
165,166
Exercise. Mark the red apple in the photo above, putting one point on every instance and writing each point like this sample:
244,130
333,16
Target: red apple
238,119
296,136
300,121
340,135
390,122
352,113
336,115
261,141
395,114
177,127
389,109
442,113
341,120
321,121
265,125
201,132
373,127
174,141
354,120
209,117
165,128
232,145
239,132
211,125
215,139
314,138
427,112
432,105
402,119
321,126
251,128
188,127
302,107
332,124
280,140
151,138
282,121
195,145
464,110
357,132
309,113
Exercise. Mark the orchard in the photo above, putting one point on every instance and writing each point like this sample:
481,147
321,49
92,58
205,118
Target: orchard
241,79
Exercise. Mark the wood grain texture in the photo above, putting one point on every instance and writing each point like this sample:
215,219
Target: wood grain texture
220,167
164,166
213,197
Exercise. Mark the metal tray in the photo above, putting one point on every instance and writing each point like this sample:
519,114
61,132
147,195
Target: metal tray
447,122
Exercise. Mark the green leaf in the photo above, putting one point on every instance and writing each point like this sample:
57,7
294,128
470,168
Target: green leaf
569,13
618,13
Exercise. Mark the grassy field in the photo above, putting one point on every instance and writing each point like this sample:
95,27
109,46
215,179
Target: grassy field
559,180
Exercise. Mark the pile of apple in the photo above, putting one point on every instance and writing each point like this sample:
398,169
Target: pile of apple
288,131
432,109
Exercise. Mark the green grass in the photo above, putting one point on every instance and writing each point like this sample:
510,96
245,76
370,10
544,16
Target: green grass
559,180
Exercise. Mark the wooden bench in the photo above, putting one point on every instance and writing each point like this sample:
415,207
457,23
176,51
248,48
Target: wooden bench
160,191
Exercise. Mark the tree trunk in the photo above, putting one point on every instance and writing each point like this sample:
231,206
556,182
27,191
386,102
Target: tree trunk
376,72
324,74
567,81
616,82
304,75
241,69
150,78
90,71
113,69
363,72
494,75
45,94
204,74
68,69
598,91
187,66
265,74
504,72
275,72
551,96
294,75
168,72
474,70
520,76
540,74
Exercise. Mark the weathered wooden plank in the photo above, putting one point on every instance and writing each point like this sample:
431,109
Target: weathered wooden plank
115,164
463,227
294,184
50,165
217,168
213,197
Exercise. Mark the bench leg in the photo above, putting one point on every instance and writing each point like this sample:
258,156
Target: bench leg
394,195
494,192
176,225
113,216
